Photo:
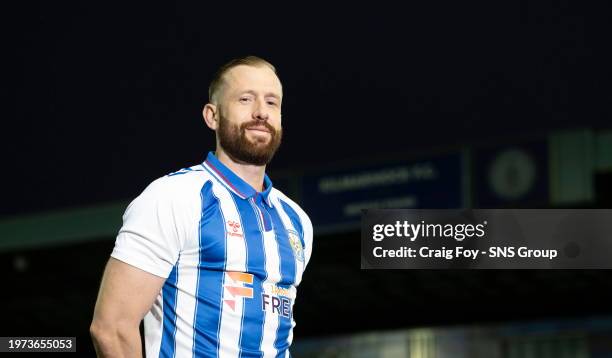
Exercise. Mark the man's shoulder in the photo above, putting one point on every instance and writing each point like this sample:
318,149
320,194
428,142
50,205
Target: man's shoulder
186,182
291,208
288,201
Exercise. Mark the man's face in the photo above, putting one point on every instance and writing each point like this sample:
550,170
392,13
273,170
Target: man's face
250,114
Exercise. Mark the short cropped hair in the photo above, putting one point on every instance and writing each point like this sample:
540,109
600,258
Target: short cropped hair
217,81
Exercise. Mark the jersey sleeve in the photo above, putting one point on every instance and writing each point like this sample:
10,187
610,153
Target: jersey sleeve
150,237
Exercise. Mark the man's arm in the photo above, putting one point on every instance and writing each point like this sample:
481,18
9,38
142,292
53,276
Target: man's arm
126,295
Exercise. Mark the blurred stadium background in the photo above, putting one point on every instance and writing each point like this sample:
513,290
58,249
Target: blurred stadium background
447,106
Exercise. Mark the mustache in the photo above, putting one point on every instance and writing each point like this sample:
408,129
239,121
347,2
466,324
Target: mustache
254,123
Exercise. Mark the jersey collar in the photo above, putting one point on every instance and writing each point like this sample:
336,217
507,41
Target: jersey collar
234,183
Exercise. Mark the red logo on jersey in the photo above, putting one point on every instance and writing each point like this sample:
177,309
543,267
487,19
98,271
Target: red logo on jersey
234,228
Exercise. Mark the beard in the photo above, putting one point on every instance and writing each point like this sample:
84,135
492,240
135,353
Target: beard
259,151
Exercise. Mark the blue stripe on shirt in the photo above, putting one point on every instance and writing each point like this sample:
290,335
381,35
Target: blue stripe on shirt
169,292
295,220
287,270
210,279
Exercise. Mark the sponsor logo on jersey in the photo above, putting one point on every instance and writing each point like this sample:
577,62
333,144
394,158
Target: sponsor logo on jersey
277,300
234,229
236,287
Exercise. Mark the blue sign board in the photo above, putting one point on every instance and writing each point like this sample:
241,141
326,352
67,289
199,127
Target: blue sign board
334,199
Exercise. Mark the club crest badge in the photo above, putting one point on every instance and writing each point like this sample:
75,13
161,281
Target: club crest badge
296,245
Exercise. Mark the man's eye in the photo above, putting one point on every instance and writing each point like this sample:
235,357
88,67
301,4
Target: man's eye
272,103
245,99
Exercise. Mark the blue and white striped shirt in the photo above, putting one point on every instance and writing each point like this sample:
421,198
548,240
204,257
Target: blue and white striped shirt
232,258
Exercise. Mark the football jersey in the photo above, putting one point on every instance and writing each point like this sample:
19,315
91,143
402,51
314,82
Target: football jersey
232,257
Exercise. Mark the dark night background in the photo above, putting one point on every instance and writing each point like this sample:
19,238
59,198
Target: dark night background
102,99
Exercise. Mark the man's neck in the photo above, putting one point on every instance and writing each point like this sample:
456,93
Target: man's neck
252,174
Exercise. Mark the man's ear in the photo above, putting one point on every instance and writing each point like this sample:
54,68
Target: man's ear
210,116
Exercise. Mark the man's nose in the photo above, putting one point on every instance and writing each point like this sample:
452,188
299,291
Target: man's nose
261,111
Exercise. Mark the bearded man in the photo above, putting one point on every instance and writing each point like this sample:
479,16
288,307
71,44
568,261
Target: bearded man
211,256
